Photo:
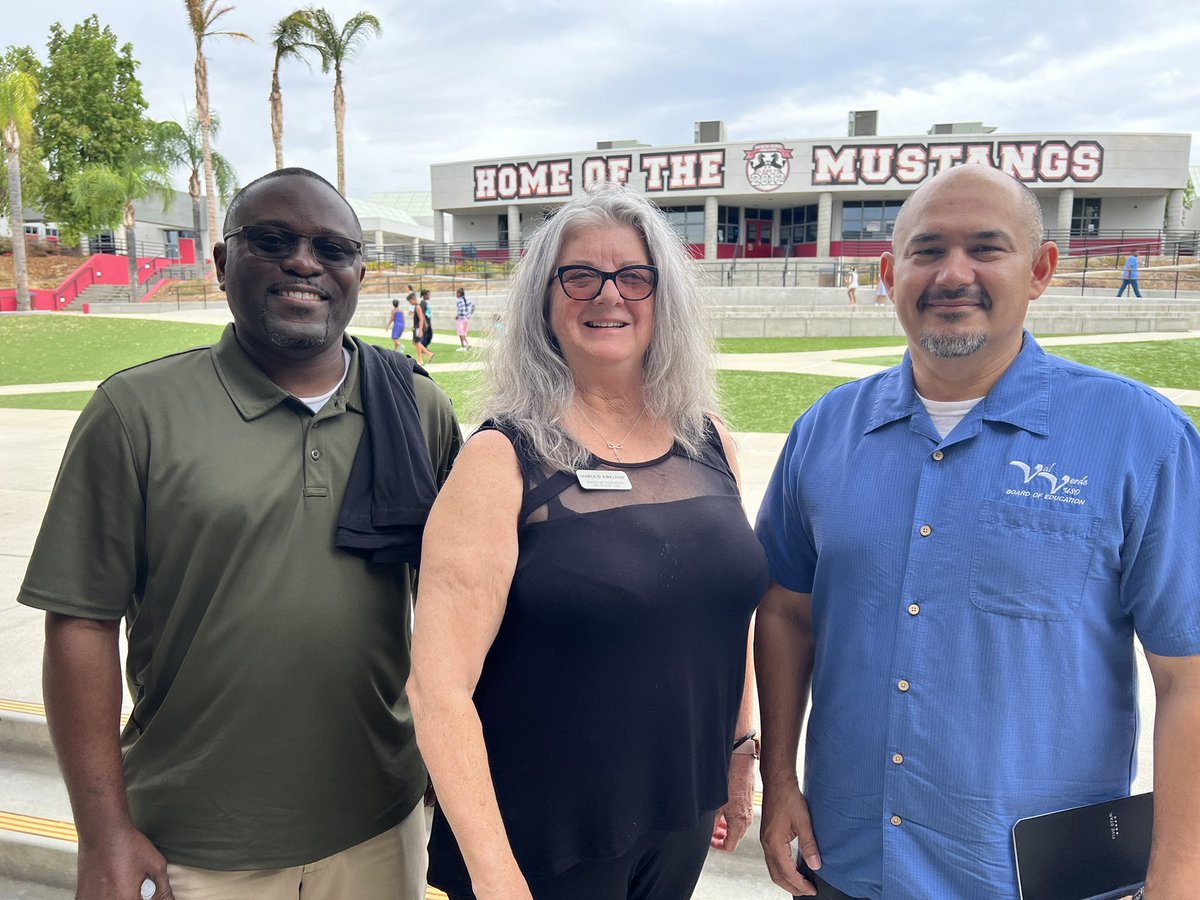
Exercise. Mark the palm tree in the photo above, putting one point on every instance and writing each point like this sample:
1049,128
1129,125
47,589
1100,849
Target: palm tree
288,39
18,97
202,17
181,147
107,194
335,46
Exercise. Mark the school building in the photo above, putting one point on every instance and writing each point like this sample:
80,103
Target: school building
825,198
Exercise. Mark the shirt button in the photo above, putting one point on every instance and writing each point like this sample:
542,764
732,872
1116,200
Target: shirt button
926,531
903,684
896,820
913,609
315,454
897,758
937,455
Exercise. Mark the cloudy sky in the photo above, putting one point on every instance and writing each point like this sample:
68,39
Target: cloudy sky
451,81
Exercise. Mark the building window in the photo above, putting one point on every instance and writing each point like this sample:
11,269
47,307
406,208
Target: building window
1085,216
502,231
31,231
727,224
869,220
798,225
688,222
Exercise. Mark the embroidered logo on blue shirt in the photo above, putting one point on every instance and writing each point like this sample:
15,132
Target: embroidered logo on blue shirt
1063,488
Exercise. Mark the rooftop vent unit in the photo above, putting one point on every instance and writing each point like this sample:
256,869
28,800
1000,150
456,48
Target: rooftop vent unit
961,128
862,123
710,133
617,145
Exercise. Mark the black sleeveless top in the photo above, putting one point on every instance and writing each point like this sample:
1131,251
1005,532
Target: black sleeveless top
609,696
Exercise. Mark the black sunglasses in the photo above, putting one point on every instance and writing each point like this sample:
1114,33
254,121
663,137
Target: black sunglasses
586,282
269,242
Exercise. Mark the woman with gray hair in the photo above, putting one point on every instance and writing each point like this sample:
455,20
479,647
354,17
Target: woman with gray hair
579,684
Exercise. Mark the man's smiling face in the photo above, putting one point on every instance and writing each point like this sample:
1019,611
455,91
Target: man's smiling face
295,306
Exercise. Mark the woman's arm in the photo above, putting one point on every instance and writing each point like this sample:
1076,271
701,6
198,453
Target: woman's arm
468,558
734,819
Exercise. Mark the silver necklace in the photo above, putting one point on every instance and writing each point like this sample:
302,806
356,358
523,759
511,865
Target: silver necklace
614,446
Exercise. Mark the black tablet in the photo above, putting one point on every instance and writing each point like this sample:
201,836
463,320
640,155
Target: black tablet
1096,852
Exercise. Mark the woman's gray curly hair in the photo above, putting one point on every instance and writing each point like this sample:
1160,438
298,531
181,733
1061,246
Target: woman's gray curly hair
529,385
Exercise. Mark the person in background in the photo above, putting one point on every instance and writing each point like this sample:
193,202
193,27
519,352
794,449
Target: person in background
1129,276
420,326
881,293
852,286
427,333
579,683
463,310
396,321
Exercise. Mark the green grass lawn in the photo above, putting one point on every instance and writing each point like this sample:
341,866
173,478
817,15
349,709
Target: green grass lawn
45,349
769,401
1174,364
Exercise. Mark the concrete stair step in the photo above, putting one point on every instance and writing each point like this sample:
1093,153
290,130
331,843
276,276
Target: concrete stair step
37,850
102,293
11,889
38,845
32,786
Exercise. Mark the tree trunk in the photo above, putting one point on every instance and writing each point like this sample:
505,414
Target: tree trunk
205,119
339,121
197,229
131,252
276,100
16,215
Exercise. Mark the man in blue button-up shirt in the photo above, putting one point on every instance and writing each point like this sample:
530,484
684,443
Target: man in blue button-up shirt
962,549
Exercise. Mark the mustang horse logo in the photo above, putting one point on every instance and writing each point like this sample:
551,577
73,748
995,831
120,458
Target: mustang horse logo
768,166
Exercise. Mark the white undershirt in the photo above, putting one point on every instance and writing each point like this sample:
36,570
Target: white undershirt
315,403
945,414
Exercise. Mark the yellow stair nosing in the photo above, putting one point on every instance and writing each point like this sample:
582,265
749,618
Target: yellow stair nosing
36,709
39,827
22,706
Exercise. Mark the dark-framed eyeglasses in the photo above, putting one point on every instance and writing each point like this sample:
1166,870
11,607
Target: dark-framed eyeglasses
269,242
586,282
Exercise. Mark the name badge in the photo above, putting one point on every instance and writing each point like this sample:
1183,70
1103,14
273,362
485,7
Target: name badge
603,480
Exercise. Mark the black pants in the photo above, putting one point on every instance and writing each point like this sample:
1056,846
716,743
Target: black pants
661,866
825,891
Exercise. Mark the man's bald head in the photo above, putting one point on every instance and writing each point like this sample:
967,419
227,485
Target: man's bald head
1028,207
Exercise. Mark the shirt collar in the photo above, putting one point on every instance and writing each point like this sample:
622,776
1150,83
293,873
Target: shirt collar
1021,397
254,394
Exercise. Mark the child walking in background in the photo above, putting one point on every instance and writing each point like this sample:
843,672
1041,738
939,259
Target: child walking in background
463,310
396,320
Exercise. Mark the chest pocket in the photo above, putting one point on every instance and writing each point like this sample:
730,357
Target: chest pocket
1031,563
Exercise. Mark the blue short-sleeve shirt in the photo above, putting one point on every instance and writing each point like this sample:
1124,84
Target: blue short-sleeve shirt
974,605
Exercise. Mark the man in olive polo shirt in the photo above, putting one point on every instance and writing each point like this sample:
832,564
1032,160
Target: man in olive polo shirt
270,749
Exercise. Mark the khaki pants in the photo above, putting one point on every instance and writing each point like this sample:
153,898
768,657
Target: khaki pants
391,865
